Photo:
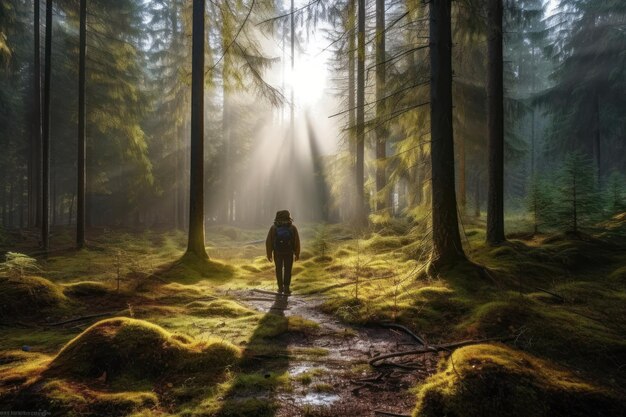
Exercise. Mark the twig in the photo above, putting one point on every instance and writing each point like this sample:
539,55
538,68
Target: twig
406,330
550,293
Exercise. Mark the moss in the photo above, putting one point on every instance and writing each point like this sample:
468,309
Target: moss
70,397
322,387
251,268
136,349
27,296
320,259
306,254
619,275
342,253
494,380
378,242
86,289
191,269
222,308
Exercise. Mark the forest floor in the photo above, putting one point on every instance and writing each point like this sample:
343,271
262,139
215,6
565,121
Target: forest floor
130,327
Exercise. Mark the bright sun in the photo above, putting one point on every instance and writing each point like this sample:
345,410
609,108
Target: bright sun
308,80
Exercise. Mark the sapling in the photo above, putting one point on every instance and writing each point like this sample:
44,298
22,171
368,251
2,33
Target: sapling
17,265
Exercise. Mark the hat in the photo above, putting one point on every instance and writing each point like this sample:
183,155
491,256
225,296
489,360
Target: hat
283,216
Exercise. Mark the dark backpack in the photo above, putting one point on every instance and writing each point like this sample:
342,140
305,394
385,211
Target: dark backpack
283,239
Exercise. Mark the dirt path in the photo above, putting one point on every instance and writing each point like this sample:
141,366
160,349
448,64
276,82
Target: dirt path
341,383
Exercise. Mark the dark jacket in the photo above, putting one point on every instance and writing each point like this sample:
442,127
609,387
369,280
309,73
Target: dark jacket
269,242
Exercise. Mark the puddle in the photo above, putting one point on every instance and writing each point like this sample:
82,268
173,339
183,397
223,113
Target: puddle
300,369
318,398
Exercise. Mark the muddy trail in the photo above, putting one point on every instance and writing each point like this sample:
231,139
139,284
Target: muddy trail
338,382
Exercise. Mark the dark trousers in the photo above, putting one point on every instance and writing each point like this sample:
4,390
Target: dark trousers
283,262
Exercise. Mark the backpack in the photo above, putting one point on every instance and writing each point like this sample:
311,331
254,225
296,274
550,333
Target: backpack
283,239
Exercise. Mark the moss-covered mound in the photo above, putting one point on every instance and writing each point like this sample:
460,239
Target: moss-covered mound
221,308
28,296
132,349
86,289
494,380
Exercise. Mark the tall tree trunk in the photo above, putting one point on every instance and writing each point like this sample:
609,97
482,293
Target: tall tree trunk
11,211
447,249
195,244
381,131
597,142
34,170
351,100
495,105
21,202
477,197
462,176
80,161
45,198
360,215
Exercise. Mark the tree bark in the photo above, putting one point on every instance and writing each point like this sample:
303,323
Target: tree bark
447,248
360,214
495,105
45,198
34,170
80,162
195,243
381,131
351,98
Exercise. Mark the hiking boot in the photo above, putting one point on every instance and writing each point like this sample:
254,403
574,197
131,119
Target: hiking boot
287,292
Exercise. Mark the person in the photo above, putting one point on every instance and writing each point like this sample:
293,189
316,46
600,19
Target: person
283,245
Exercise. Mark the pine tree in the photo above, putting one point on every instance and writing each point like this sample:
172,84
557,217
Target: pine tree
578,199
540,203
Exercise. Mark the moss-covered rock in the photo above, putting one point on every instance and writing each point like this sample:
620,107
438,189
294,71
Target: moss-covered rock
495,380
28,296
129,349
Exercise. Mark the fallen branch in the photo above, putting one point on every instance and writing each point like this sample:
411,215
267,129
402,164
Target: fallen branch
550,293
266,292
405,330
271,300
387,413
435,348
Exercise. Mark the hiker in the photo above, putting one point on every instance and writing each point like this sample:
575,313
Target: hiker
284,243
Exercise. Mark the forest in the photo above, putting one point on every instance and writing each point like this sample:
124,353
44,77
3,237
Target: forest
314,208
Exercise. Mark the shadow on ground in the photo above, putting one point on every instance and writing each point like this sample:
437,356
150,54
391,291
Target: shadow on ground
263,367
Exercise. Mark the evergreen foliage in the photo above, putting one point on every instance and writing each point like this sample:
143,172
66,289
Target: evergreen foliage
578,201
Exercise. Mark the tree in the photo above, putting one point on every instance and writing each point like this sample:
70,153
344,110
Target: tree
45,154
586,101
578,198
539,202
495,115
34,170
447,248
359,209
80,162
195,243
381,130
